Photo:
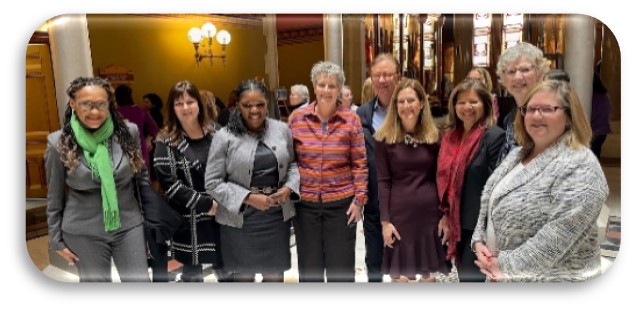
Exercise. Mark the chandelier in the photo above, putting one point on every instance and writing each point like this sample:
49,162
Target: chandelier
205,37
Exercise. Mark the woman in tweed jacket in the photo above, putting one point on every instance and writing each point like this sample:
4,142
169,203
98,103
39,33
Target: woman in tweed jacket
251,171
539,208
179,159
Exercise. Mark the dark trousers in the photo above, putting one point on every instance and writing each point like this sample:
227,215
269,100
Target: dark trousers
325,241
467,270
192,273
596,144
159,262
374,243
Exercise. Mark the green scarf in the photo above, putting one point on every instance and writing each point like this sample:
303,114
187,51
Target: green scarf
96,153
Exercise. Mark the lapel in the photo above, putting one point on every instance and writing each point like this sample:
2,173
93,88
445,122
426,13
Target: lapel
116,155
188,153
535,169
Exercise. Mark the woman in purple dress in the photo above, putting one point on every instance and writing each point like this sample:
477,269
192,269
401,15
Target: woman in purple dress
406,150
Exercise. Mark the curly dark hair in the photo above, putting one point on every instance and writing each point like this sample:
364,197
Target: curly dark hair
67,145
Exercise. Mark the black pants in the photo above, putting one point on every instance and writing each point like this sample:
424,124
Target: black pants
467,270
159,261
374,243
596,144
192,273
325,241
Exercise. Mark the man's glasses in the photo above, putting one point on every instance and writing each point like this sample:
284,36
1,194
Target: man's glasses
89,105
386,76
543,109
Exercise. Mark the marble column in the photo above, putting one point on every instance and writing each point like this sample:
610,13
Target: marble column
578,57
70,54
333,38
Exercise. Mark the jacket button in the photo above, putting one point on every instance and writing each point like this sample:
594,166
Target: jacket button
273,148
281,166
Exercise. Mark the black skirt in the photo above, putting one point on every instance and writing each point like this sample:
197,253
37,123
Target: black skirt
260,246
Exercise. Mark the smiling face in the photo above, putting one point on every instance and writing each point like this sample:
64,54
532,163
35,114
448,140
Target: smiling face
469,108
519,77
545,128
347,97
91,106
384,78
186,110
253,109
409,107
326,89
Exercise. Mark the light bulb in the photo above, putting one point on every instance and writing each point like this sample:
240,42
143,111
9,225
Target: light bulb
223,37
209,30
194,35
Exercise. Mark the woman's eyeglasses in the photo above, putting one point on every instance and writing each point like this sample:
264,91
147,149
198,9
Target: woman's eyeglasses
89,105
543,109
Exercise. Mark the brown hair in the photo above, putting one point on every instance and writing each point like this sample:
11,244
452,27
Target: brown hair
391,130
578,132
173,129
484,95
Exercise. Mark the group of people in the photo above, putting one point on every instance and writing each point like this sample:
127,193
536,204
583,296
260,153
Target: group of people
503,204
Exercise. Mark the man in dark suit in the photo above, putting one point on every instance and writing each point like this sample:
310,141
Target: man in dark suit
384,73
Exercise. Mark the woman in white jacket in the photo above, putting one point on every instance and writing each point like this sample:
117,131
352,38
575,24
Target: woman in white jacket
539,207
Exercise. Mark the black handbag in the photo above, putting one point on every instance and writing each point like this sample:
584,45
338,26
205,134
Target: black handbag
160,220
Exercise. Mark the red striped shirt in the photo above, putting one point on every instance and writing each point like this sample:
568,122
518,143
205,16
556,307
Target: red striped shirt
332,163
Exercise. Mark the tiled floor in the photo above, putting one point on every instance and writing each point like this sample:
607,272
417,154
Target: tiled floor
38,247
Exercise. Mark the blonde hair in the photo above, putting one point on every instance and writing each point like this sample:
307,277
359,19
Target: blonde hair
368,93
391,131
486,78
209,102
578,131
483,94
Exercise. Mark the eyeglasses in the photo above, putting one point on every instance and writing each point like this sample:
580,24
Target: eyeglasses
522,70
543,110
386,76
89,105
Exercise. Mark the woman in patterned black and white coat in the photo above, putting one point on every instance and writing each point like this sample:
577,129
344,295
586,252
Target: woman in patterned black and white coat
540,206
180,160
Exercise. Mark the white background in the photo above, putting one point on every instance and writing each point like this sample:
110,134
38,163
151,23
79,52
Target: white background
24,286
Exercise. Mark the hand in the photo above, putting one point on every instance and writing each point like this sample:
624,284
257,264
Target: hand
354,214
68,256
213,209
485,260
281,196
444,230
260,201
389,233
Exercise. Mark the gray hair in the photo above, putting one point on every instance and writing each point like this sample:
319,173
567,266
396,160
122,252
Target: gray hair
330,69
523,49
301,90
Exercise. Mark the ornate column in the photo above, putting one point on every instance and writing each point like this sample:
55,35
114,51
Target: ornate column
578,57
333,41
70,54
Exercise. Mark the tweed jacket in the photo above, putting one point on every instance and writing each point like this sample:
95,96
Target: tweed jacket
74,199
545,218
230,164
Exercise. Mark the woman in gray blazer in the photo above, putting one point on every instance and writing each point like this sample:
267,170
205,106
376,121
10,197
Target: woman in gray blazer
539,207
92,164
251,172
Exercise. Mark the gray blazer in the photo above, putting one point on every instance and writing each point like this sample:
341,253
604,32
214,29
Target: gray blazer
79,210
545,218
231,161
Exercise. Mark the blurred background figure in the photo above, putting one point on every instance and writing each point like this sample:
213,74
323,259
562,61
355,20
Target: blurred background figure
600,115
298,97
147,127
368,92
346,98
482,75
558,75
223,115
209,102
153,104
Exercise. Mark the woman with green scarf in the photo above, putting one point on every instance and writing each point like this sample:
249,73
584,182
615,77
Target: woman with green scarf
92,165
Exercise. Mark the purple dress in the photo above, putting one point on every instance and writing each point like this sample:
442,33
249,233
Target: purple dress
147,126
408,199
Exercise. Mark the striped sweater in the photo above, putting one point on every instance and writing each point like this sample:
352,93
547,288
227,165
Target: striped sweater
331,158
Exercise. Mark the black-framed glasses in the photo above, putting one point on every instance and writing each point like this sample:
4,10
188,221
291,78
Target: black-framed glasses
89,105
543,109
386,76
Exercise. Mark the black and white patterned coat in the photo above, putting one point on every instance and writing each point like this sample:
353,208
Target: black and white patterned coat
182,178
545,217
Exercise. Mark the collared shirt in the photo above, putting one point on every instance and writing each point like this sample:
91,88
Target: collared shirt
379,114
332,163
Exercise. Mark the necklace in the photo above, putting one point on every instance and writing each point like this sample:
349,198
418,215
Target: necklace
408,139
